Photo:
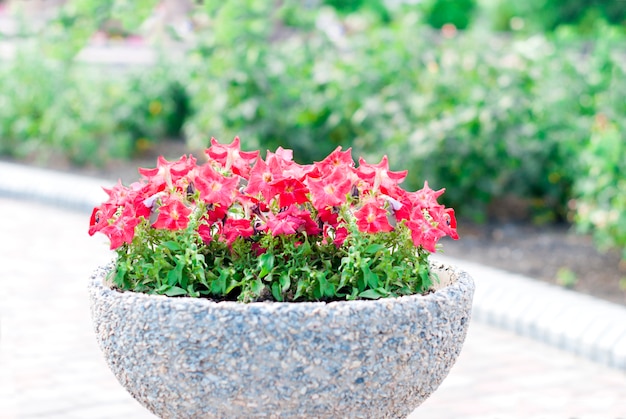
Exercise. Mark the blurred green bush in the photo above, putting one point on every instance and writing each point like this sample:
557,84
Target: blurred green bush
87,114
600,187
456,12
493,116
524,127
548,15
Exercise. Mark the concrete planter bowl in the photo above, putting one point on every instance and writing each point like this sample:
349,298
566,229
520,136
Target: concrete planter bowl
194,358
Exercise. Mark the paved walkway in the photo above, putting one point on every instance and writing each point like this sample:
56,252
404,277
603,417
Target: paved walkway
50,366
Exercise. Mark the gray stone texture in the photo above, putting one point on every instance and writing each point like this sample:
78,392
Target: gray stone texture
194,358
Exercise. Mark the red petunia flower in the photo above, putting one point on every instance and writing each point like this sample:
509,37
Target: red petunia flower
378,176
424,234
260,180
372,218
173,215
331,190
168,173
337,234
281,165
329,215
290,191
445,220
122,229
309,226
215,188
283,225
100,217
336,159
231,158
119,194
426,197
234,229
205,231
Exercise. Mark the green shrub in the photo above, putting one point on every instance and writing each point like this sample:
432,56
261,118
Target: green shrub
83,121
601,185
601,204
28,87
456,12
87,114
254,86
377,7
548,15
490,116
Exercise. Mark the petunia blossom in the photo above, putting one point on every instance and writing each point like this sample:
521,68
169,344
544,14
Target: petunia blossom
372,218
424,234
378,176
231,158
290,191
215,188
122,229
172,215
283,225
330,190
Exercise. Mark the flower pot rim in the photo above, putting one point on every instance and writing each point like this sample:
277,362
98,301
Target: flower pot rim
456,280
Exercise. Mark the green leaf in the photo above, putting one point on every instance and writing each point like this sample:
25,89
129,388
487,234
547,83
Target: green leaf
276,292
172,245
373,248
219,285
370,294
257,287
371,278
175,291
266,263
175,275
120,274
326,289
162,289
132,13
300,288
285,281
192,292
361,283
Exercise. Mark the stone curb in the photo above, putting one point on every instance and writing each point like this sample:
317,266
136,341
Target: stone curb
49,187
586,326
577,323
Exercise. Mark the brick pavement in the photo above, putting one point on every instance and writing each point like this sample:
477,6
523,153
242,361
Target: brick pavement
50,366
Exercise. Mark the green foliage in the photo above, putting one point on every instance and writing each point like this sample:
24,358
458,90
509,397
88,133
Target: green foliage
498,116
375,7
483,114
566,278
78,20
548,15
600,184
601,203
252,82
456,12
27,90
86,114
293,268
162,262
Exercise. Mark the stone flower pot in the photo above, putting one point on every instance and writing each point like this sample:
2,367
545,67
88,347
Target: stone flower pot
194,358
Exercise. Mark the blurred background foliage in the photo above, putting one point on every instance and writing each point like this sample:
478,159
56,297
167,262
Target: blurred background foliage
517,108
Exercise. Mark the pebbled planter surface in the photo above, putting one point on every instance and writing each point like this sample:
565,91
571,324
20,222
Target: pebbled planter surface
194,358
